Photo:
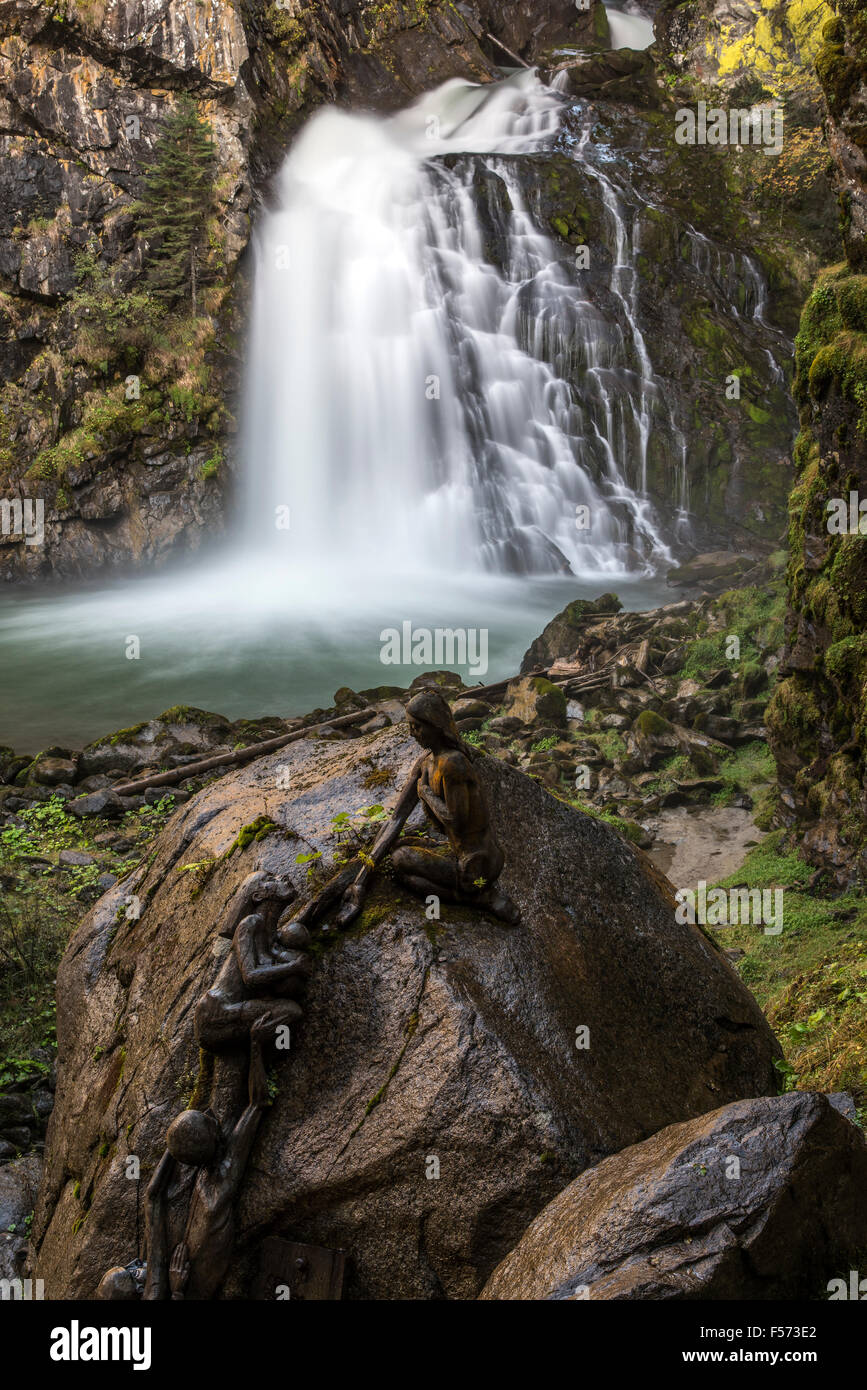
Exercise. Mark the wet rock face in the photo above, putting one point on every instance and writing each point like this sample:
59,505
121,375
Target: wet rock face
760,1199
529,27
737,44
449,1046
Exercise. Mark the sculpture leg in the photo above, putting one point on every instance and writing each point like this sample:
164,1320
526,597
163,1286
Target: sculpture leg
221,1025
438,872
425,872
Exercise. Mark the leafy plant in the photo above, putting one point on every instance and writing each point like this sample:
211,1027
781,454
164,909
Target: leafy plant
311,860
544,744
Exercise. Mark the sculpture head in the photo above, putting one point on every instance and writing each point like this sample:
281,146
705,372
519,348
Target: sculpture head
431,722
193,1138
123,1283
274,886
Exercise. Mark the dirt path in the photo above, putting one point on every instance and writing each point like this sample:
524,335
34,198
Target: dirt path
701,842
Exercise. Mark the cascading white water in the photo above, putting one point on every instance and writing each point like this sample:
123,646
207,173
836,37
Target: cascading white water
401,399
738,275
630,26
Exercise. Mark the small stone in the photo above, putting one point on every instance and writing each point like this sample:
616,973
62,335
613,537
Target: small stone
536,700
506,724
49,772
97,783
75,859
468,708
437,680
347,696
844,1105
101,803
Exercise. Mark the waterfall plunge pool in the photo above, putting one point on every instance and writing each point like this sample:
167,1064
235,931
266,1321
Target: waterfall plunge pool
246,640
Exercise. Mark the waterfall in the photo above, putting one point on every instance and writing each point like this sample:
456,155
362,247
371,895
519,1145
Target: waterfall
630,26
405,406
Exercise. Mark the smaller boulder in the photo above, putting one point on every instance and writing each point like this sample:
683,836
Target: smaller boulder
75,859
102,803
760,1199
469,708
715,570
444,681
50,770
536,700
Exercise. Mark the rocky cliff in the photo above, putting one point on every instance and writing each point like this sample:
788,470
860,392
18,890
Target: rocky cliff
748,48
85,91
818,718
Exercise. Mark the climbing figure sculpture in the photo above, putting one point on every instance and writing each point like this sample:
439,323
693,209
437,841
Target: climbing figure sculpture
263,972
201,1259
445,781
251,1001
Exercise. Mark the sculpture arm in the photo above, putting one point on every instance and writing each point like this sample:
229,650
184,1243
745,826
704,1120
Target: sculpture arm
404,805
155,1229
242,1136
258,977
453,808
348,887
382,845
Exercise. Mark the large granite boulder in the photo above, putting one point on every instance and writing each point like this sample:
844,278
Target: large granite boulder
761,1199
459,1040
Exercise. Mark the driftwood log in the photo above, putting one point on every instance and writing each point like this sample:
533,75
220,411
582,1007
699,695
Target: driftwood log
238,755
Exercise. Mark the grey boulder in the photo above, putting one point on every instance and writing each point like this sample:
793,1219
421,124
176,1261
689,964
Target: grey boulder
761,1199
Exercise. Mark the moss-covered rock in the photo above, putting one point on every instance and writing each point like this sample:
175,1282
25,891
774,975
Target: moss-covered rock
563,634
536,700
817,720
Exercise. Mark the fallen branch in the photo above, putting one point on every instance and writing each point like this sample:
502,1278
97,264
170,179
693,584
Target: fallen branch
500,44
239,755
